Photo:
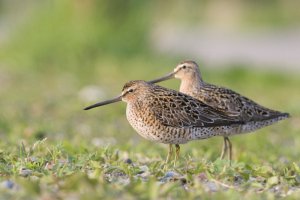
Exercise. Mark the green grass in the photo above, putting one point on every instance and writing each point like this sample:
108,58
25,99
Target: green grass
96,154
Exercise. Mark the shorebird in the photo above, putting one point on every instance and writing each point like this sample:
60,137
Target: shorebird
170,117
225,100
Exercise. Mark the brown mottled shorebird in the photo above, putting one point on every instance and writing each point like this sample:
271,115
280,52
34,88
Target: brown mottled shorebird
225,100
167,116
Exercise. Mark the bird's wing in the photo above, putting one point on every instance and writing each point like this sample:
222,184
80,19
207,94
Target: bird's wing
177,109
234,104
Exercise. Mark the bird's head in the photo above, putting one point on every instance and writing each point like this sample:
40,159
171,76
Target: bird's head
184,71
131,92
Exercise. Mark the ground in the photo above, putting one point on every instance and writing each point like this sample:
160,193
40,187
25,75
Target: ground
51,149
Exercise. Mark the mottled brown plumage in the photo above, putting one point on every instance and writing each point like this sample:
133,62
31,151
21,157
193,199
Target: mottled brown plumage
225,100
167,116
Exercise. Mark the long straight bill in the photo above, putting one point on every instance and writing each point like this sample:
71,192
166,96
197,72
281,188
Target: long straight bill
114,100
166,77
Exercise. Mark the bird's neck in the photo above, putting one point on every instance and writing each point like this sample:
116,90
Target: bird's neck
191,84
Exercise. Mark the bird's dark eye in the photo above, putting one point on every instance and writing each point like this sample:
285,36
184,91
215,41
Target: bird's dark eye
130,90
183,67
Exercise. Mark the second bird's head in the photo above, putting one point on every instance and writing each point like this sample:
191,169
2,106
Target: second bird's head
185,70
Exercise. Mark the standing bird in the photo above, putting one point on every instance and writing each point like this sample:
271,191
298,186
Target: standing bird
170,117
225,100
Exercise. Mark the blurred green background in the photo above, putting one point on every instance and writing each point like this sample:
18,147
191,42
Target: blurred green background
58,56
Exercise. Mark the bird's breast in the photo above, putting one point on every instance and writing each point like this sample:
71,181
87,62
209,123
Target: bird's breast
150,128
142,122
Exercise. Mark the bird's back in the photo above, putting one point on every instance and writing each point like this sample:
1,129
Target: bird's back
234,104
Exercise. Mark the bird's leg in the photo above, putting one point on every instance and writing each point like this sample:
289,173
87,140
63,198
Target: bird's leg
170,153
224,150
230,150
177,150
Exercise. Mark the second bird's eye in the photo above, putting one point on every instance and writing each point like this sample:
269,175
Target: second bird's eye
183,67
130,90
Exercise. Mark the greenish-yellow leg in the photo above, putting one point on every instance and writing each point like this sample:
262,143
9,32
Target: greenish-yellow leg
170,153
230,150
177,150
224,150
